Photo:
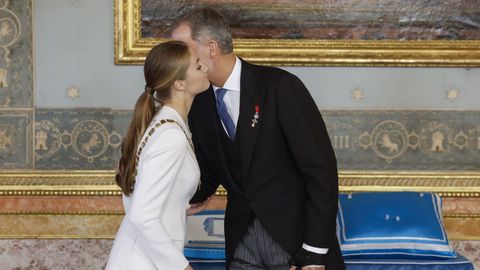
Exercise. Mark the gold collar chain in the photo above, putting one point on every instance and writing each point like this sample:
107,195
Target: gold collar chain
150,133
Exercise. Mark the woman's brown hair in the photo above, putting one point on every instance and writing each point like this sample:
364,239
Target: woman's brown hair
165,64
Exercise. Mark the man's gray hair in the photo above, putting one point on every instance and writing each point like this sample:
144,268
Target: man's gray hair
207,23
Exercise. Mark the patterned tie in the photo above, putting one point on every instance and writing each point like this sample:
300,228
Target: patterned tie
223,113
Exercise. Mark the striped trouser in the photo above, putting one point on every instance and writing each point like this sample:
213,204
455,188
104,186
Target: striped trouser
258,250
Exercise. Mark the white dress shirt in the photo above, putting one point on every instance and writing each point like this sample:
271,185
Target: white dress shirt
232,96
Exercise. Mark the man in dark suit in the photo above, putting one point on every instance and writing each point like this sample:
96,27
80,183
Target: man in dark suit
258,132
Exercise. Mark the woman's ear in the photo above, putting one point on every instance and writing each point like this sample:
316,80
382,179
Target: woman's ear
180,85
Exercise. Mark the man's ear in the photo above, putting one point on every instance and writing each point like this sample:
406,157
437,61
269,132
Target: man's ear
213,48
180,85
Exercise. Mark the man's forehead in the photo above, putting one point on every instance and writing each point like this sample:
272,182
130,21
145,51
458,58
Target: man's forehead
182,32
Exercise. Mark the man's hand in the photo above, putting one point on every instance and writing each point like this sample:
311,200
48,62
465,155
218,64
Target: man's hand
188,267
309,268
198,207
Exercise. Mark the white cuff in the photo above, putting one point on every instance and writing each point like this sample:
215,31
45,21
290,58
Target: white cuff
315,249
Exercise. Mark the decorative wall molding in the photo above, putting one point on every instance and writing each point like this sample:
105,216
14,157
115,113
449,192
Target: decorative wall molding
94,183
447,184
101,182
58,183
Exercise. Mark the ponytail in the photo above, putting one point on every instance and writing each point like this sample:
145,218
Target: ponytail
142,115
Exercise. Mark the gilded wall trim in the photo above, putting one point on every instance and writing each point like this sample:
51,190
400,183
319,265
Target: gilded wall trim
131,48
58,183
447,184
93,183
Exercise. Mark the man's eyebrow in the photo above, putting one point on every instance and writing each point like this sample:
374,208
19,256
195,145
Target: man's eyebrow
198,60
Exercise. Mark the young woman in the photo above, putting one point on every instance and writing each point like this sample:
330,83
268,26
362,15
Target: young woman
158,171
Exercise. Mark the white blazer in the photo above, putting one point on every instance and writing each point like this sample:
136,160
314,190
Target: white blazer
152,233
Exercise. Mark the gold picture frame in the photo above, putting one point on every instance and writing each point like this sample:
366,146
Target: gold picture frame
131,48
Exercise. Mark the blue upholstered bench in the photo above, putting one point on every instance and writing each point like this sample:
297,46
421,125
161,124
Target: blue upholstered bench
205,247
460,263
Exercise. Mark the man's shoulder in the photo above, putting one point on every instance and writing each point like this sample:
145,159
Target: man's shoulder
267,72
202,101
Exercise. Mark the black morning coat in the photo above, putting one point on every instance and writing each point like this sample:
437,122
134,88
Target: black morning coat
288,167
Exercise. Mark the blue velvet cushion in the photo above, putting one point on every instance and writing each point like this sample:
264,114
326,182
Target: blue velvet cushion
392,225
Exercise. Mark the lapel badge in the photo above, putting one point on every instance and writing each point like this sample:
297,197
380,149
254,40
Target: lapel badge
256,115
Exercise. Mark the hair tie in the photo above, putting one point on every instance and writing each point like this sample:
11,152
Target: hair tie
149,90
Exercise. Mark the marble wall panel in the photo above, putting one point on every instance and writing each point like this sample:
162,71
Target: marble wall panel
82,254
58,226
90,254
469,249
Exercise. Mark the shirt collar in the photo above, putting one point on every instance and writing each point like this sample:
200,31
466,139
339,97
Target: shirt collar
233,81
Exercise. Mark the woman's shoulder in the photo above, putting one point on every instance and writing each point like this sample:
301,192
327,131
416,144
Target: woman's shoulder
166,134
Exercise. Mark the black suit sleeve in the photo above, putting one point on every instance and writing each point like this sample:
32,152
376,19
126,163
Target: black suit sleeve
209,182
307,137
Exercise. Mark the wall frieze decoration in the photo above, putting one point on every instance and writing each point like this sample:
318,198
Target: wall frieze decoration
383,140
405,140
16,139
16,54
79,139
